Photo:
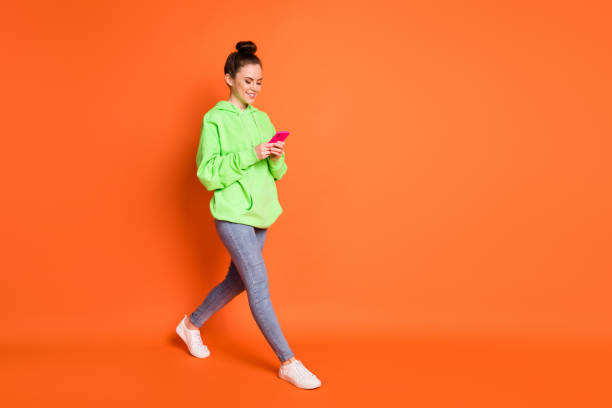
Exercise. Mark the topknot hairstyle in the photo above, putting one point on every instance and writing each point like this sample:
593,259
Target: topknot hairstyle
244,55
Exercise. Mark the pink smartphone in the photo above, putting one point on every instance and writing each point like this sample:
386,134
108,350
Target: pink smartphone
279,137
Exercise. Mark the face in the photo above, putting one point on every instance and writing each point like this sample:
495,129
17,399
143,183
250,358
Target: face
247,83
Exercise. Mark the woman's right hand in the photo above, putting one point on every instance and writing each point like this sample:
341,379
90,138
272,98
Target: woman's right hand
264,150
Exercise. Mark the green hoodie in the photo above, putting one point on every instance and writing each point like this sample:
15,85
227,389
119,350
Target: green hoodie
244,186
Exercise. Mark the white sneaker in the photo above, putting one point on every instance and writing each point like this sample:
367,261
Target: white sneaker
192,339
298,375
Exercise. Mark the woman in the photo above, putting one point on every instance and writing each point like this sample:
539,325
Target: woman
235,161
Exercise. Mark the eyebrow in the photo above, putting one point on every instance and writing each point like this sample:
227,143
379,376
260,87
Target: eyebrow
252,78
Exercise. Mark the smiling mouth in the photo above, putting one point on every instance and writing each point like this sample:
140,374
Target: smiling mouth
251,95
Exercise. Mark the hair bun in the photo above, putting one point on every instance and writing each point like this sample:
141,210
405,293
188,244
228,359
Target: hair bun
246,47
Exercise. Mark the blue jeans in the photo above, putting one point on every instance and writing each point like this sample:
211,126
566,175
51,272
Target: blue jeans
247,270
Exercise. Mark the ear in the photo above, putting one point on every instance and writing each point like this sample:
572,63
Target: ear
228,80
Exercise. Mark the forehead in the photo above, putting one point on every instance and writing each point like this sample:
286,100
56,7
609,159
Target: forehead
250,70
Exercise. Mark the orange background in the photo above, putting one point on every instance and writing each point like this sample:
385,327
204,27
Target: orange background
446,228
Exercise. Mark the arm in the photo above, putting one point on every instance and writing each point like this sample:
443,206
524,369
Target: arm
278,168
216,170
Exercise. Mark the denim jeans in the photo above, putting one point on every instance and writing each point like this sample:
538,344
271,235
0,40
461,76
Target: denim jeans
247,270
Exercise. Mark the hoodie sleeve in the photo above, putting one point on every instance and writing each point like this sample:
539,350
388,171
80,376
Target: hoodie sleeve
278,168
216,170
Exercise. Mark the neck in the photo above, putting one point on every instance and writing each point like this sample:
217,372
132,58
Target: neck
237,102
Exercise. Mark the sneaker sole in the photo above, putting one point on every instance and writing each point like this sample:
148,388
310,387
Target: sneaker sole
181,334
289,380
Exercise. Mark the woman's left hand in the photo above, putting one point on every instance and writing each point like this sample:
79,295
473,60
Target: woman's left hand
276,150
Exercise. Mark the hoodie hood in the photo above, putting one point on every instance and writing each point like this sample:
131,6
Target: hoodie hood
250,114
228,106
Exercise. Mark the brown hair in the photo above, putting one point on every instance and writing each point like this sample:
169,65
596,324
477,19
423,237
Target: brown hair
244,55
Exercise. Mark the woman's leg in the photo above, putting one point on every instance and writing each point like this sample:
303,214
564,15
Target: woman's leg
225,291
245,249
218,297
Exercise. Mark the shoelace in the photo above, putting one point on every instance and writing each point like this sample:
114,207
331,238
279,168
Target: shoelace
195,336
301,370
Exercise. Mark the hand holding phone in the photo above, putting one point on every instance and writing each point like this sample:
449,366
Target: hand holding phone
278,137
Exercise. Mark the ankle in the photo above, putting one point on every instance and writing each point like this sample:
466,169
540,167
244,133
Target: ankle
288,361
190,325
